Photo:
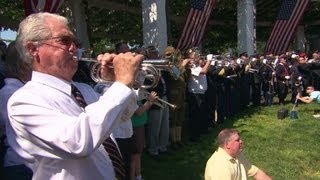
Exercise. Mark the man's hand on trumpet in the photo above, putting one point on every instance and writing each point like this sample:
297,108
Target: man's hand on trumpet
125,67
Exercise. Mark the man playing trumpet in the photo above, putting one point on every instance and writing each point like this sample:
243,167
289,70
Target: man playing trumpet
56,135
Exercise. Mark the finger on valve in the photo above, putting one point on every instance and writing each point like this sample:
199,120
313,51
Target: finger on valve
106,72
126,67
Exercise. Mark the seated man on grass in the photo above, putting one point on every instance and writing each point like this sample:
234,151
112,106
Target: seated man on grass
313,96
228,163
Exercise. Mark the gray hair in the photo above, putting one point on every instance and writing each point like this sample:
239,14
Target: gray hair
34,28
225,136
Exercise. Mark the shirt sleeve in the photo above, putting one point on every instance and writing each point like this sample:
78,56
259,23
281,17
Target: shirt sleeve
250,169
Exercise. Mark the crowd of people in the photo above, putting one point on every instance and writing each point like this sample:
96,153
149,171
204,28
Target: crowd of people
55,124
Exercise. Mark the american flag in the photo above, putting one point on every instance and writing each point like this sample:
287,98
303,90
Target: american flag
196,23
35,6
285,26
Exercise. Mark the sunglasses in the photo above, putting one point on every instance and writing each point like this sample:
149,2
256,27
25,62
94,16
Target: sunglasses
65,40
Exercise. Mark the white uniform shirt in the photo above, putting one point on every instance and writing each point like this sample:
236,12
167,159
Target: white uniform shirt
197,83
57,138
11,158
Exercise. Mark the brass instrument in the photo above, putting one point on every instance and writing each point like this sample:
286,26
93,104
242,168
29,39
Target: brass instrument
162,101
251,70
149,73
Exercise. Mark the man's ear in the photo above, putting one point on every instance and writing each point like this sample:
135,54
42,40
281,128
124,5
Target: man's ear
32,48
226,145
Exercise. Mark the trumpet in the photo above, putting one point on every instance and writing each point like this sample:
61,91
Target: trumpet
173,106
148,75
251,70
159,102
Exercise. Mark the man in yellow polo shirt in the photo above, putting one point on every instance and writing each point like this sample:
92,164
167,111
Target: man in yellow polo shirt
229,163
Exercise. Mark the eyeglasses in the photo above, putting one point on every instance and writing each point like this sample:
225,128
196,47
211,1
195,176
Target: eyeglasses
64,40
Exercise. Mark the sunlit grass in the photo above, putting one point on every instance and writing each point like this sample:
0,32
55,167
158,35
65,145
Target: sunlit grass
286,149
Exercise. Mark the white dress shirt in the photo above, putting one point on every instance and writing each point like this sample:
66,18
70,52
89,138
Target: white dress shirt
197,83
11,158
59,139
124,129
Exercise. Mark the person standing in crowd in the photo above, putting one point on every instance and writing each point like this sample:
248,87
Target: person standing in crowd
268,81
228,161
256,77
177,95
51,128
211,92
217,74
283,77
197,87
158,126
139,120
122,47
315,58
298,80
245,79
18,73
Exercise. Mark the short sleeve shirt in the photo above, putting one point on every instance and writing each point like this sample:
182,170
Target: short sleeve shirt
222,166
315,95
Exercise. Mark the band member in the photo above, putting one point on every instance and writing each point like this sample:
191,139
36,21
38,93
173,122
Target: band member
268,81
177,95
298,79
245,78
197,86
282,75
256,77
158,126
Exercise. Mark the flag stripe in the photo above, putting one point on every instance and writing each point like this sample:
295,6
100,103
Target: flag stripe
195,25
35,6
284,29
303,5
206,21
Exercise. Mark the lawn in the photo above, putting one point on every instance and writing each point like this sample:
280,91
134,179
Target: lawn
286,149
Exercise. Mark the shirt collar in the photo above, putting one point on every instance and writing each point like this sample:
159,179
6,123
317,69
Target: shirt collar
52,81
225,154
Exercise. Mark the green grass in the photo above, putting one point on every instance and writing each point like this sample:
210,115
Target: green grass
285,149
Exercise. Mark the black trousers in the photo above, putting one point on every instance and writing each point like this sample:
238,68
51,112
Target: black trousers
197,114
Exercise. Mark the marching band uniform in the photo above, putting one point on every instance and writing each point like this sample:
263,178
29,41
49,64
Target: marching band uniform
282,75
256,81
176,96
268,84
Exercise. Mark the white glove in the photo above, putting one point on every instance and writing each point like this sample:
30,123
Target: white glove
287,77
299,78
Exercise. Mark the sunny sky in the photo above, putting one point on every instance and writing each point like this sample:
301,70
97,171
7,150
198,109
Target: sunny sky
8,35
